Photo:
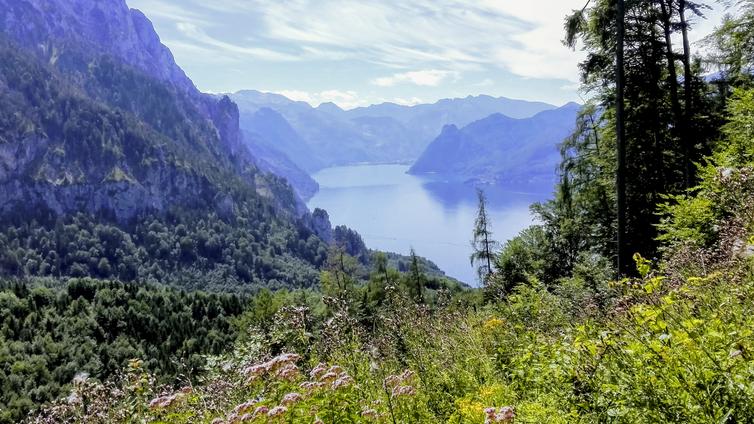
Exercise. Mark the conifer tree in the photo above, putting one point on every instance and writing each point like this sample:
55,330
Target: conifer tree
482,243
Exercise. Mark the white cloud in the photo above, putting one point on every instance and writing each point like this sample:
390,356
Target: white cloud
428,78
487,82
522,37
198,35
408,102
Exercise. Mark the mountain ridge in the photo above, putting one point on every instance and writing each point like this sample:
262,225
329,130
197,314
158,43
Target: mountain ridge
499,148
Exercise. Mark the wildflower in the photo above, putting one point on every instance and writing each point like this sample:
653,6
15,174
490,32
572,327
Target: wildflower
288,372
281,361
328,377
291,398
370,413
261,410
240,409
186,390
343,381
506,414
403,391
254,370
218,421
277,411
246,417
163,401
397,380
318,370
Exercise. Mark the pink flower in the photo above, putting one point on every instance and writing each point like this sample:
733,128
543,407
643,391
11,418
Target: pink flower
318,370
255,370
291,398
370,413
343,381
261,410
403,391
240,409
164,401
505,414
277,411
287,372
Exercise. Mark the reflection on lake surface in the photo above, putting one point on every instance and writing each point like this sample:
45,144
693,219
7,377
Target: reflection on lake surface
394,211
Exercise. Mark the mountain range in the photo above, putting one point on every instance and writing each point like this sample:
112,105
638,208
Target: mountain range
526,133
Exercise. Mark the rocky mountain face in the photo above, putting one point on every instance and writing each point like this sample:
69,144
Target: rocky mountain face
270,159
53,27
102,134
500,149
107,60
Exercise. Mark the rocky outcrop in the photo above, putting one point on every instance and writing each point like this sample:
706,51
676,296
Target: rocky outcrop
50,27
172,146
321,225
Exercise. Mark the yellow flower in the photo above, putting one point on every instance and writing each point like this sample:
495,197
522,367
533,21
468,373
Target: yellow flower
493,323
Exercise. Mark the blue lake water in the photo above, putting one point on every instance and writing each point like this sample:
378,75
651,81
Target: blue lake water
394,211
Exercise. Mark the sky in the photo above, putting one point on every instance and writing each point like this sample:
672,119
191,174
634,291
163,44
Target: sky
360,52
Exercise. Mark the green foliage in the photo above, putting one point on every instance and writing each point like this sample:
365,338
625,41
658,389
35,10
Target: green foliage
48,335
725,193
673,354
186,249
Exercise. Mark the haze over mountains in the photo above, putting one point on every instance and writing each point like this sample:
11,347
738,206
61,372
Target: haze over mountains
500,148
317,137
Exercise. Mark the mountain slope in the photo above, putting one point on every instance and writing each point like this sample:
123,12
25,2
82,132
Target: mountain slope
331,136
500,148
272,160
115,159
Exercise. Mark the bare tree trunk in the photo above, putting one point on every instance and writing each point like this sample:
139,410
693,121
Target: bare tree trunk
688,96
620,133
672,81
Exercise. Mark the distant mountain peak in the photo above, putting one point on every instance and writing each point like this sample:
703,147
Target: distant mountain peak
329,107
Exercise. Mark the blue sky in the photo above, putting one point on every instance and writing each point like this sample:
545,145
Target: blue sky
360,52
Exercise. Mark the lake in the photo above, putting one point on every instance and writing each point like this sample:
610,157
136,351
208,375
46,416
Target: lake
394,211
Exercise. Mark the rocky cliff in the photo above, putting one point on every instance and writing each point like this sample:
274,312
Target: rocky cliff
107,122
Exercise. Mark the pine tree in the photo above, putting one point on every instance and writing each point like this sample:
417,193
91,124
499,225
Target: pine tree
482,244
417,278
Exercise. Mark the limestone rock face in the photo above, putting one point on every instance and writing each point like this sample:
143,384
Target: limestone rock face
108,26
139,137
321,225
